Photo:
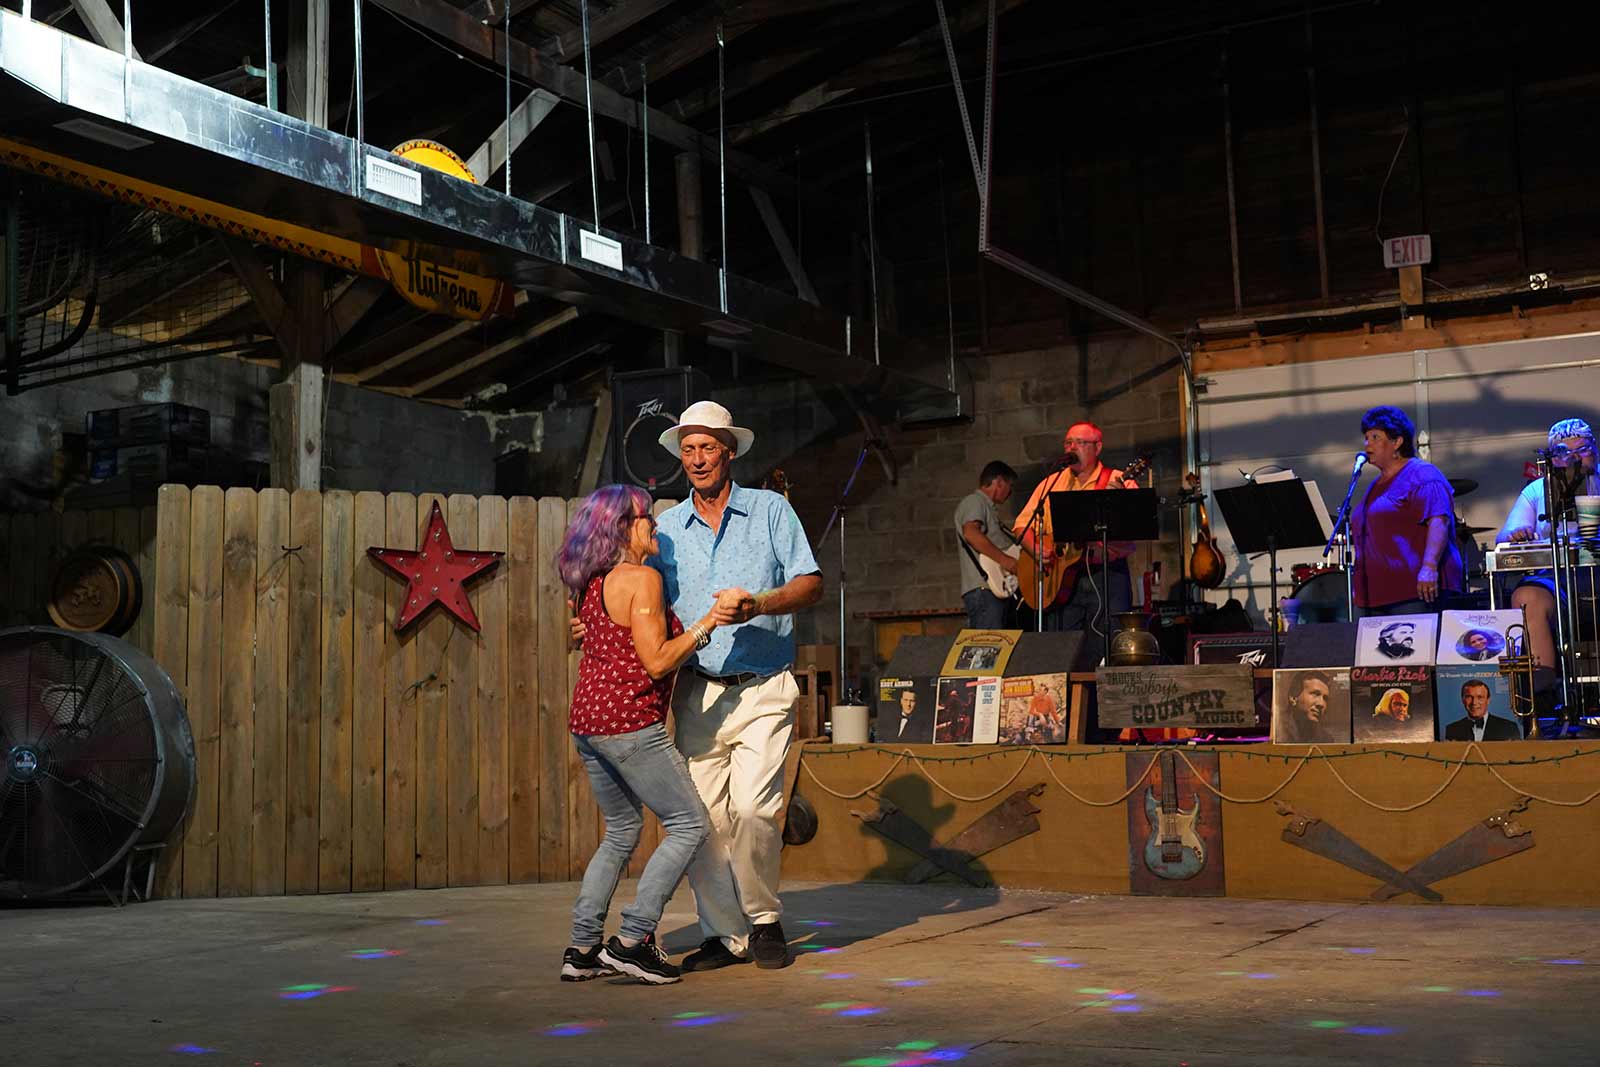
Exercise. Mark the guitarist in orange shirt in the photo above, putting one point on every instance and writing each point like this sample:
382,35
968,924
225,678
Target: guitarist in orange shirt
1076,601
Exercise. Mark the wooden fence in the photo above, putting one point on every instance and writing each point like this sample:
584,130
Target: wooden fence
334,754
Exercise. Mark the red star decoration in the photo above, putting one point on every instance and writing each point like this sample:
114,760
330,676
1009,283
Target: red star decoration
436,573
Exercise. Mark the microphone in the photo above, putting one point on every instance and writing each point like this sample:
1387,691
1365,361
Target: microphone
1361,461
1062,462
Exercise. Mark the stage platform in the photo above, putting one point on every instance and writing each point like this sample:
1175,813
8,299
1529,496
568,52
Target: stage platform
1433,823
884,975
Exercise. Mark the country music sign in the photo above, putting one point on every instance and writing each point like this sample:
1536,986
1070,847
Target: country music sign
1209,695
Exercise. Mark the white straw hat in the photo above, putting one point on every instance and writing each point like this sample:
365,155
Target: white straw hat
707,416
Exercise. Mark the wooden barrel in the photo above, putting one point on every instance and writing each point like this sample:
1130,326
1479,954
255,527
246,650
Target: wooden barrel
96,589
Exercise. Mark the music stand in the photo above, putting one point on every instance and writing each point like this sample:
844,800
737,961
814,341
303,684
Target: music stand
1267,517
1104,515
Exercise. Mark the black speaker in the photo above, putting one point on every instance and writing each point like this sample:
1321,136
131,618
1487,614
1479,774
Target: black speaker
644,404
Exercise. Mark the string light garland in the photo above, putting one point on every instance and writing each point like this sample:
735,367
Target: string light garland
1313,754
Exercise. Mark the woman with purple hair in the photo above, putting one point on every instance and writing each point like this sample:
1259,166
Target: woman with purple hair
632,650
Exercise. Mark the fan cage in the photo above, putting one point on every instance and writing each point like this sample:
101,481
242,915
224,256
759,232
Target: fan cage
99,759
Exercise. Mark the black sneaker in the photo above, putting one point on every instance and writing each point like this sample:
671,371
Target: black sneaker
768,946
582,966
711,955
644,961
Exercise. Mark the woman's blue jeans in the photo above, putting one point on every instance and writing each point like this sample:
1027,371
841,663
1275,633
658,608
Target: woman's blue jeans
630,772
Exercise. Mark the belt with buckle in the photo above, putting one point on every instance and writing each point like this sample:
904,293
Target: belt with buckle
728,680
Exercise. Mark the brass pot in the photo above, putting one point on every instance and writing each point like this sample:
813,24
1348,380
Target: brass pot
1133,645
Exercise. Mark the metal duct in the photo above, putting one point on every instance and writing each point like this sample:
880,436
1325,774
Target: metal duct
125,116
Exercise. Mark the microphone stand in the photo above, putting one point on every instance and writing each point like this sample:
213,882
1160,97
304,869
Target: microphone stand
838,513
1347,554
1560,572
1036,521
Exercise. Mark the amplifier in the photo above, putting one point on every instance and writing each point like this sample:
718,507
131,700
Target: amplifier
1534,556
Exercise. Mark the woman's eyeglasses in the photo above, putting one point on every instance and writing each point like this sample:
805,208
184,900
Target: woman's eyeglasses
651,519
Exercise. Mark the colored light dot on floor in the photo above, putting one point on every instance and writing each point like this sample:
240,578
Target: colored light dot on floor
433,922
1480,992
1262,974
915,1046
908,983
1361,951
1093,1003
872,1061
1371,1031
1127,1007
840,974
1326,1024
567,1030
1437,989
1125,996
834,1005
302,988
1578,963
192,1050
860,1009
1093,989
1230,974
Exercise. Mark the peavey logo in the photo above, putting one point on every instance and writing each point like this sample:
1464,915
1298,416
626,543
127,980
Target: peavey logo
432,282
1253,659
650,407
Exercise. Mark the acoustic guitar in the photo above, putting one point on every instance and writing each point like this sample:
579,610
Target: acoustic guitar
1206,567
1064,569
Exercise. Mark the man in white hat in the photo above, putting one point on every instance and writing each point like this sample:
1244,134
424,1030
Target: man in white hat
734,700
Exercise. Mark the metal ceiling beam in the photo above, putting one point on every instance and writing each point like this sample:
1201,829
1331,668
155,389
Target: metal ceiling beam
827,92
102,25
188,30
423,347
618,20
491,154
786,252
493,352
489,43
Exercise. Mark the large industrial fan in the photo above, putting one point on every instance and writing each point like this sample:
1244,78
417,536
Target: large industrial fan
99,763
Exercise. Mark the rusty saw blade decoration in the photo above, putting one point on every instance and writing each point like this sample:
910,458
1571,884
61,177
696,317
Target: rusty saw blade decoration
1306,831
1012,818
1496,837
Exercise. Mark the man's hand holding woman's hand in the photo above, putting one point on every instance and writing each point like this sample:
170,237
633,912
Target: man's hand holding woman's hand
741,605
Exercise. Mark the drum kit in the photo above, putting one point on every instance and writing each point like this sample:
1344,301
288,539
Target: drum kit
1319,589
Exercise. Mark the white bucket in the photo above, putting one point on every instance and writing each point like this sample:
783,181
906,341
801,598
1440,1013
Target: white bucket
849,724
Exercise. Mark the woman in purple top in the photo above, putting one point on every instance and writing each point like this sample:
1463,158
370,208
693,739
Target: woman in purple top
1404,528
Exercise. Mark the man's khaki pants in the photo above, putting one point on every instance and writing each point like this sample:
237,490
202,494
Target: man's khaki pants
735,740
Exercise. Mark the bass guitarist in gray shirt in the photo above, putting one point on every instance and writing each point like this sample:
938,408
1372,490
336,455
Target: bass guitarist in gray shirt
984,541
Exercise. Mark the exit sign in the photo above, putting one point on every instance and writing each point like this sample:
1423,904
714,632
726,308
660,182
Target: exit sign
1411,251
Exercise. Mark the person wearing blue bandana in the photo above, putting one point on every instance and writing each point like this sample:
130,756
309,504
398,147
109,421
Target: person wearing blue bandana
733,706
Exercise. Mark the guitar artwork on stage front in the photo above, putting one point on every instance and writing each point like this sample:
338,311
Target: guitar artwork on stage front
1174,851
1063,571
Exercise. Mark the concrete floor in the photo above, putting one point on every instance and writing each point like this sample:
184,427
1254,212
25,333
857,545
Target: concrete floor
889,975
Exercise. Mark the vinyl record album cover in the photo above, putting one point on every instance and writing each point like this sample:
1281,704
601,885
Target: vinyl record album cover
967,711
1475,704
1475,636
1311,705
905,711
1033,710
980,652
1392,703
1382,640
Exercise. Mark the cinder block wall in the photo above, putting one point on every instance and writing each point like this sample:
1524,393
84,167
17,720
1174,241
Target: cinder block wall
901,547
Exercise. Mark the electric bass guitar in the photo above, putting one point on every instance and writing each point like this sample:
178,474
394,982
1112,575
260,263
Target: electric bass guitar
1067,563
1174,851
1000,583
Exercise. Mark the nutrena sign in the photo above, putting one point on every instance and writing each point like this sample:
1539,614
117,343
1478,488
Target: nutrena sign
430,286
426,284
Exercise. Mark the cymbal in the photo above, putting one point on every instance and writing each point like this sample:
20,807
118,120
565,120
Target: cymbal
1462,486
